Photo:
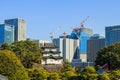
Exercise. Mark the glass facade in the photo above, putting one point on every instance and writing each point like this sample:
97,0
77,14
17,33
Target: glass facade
83,34
6,33
20,28
112,34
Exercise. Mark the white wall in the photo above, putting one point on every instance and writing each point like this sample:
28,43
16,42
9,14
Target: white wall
52,61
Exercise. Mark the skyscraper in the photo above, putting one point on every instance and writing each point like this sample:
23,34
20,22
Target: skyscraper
69,48
6,33
95,43
83,34
20,28
112,34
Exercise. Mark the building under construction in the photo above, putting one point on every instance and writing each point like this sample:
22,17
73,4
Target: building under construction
83,34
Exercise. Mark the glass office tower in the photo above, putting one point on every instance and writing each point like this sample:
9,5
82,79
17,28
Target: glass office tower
112,34
20,28
6,33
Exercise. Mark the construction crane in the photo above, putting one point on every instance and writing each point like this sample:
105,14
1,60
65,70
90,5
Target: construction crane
75,31
52,34
82,23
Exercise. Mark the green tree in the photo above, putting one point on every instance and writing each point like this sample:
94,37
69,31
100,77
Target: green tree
5,46
11,67
114,74
89,69
67,71
89,73
53,76
66,66
109,54
37,74
103,76
27,51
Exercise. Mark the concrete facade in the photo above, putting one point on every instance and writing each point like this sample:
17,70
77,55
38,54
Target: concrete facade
93,46
69,48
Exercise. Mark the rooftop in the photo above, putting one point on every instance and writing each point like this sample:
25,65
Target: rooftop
49,45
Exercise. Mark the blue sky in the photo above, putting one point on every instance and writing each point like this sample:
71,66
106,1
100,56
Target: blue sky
45,16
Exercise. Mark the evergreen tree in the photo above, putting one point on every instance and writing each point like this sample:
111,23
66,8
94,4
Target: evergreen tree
11,67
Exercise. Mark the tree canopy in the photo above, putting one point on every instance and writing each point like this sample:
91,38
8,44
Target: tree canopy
27,51
111,55
37,74
67,71
11,67
89,73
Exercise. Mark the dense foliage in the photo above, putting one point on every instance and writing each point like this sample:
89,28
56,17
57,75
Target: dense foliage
27,51
103,76
53,76
67,71
37,74
89,73
11,67
111,55
14,56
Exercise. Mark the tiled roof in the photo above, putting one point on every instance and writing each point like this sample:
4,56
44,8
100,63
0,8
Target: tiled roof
49,45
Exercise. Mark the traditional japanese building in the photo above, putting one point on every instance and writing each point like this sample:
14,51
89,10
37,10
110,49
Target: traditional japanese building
50,54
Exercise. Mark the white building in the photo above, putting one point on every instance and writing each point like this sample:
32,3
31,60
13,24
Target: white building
68,47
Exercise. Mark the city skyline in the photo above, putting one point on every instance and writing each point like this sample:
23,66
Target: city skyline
50,14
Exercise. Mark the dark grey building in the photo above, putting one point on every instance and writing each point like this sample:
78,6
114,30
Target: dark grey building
93,46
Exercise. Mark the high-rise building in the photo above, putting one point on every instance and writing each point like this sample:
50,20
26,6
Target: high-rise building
6,33
20,28
69,48
82,34
112,34
95,43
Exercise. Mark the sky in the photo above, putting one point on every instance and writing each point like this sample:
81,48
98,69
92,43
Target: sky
45,16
